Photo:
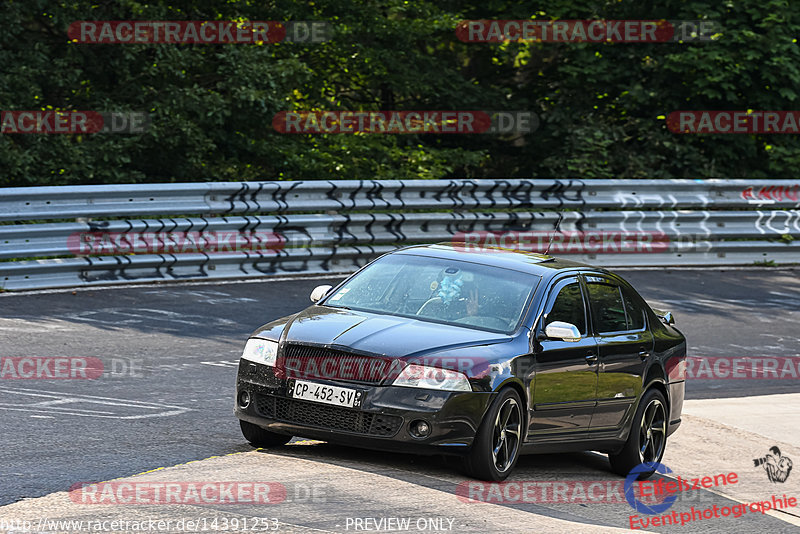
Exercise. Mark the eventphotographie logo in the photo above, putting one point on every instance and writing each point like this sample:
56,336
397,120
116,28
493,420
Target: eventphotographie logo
775,464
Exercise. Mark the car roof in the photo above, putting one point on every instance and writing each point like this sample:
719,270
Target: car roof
529,262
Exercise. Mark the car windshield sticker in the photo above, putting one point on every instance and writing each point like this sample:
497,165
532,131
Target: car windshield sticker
340,294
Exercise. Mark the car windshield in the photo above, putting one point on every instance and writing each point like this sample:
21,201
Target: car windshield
439,290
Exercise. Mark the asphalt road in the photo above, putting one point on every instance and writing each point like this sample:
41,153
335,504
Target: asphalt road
173,352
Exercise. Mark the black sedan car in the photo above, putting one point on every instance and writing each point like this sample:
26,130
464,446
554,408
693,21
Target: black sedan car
485,355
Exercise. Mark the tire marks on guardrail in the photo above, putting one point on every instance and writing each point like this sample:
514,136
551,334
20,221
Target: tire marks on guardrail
337,236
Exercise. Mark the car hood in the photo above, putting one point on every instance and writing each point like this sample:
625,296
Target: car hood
392,336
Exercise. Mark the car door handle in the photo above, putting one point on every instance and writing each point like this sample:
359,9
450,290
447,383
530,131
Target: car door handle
643,354
591,358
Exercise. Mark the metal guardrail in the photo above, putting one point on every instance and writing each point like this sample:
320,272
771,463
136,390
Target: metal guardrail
335,227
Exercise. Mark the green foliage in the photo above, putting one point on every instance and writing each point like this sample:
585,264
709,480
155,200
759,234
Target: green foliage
601,107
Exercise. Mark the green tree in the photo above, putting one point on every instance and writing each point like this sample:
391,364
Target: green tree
602,106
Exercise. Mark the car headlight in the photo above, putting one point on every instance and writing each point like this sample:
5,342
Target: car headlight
261,351
422,376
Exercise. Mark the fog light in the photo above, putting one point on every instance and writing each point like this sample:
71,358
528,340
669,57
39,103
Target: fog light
420,428
244,399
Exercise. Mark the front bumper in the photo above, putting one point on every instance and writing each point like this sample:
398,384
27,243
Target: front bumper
382,422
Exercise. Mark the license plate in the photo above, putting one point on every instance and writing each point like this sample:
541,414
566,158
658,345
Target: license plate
338,396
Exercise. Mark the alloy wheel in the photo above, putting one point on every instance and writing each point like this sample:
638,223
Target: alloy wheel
507,429
652,432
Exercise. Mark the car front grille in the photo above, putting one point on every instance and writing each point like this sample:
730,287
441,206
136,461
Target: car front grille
307,361
327,417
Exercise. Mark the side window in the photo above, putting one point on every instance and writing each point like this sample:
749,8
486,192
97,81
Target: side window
568,307
635,311
608,312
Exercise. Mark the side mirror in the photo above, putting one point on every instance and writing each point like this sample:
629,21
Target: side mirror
563,331
665,316
319,292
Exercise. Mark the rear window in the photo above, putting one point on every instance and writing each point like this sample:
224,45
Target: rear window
608,311
635,312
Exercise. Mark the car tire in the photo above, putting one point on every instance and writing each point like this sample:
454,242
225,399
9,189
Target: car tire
647,438
497,443
259,437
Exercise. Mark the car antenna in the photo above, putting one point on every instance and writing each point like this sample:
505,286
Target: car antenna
555,229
